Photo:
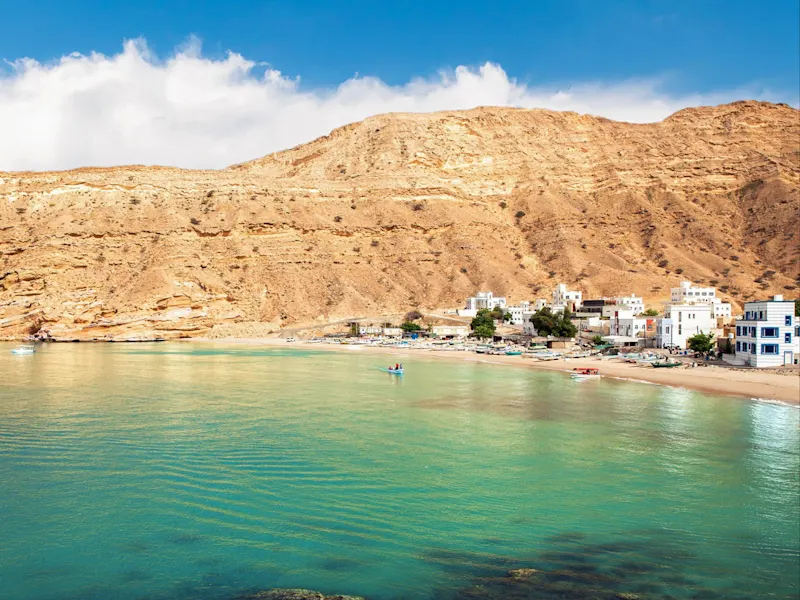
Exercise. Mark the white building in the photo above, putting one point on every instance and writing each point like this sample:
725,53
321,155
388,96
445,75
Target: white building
720,309
768,335
682,321
368,329
642,327
450,331
518,312
635,303
480,301
688,294
562,297
392,332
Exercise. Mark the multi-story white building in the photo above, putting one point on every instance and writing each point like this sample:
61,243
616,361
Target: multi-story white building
720,309
686,293
518,312
480,301
768,335
635,303
682,321
562,297
689,294
644,327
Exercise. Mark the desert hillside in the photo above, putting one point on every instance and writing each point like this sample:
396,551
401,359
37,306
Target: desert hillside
406,211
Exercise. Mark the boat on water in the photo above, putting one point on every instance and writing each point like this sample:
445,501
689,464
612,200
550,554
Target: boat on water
585,373
24,350
394,371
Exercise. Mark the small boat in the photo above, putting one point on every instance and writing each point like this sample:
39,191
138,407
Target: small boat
583,373
24,350
513,352
394,371
666,365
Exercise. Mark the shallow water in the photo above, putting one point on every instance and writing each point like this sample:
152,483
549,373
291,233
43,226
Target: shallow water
156,471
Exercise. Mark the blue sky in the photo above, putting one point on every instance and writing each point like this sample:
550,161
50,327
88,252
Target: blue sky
698,45
207,84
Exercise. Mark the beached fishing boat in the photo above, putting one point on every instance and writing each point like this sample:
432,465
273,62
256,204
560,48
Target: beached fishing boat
513,352
23,350
585,373
666,365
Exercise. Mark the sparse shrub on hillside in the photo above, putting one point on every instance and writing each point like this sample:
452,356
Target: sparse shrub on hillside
503,205
678,271
194,221
734,257
413,315
135,201
663,263
417,206
374,243
519,214
337,219
463,269
210,194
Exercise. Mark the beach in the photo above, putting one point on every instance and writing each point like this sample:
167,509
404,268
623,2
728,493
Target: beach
738,382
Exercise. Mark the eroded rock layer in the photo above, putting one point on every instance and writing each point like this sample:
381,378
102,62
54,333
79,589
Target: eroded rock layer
406,211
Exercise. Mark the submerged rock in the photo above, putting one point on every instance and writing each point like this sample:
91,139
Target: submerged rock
296,594
523,573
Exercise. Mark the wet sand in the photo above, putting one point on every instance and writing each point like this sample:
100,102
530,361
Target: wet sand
711,379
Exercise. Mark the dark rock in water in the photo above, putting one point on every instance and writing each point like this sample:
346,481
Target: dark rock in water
295,594
627,596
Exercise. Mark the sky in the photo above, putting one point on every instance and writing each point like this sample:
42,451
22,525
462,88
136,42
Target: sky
205,84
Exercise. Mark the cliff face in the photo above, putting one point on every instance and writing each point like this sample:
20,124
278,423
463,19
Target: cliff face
403,211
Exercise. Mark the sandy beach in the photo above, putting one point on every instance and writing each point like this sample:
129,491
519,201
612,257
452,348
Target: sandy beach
742,383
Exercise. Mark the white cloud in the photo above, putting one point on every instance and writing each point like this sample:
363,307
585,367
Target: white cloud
191,111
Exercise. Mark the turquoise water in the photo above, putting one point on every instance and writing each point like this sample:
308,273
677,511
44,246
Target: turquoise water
159,471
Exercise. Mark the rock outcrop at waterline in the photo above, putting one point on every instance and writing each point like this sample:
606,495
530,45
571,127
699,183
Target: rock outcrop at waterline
406,211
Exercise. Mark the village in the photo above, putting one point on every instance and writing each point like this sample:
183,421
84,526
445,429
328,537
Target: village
694,323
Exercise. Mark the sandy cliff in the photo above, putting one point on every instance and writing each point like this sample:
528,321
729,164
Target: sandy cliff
407,210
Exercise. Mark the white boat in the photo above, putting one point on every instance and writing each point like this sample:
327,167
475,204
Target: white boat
24,350
584,374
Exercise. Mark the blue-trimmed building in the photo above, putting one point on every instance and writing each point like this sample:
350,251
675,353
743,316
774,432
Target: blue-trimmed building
769,334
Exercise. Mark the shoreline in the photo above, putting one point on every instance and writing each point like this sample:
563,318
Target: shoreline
750,385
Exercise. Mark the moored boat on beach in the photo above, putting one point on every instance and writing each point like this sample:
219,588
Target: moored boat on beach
666,364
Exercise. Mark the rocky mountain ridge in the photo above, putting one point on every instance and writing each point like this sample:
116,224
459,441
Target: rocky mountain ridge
406,211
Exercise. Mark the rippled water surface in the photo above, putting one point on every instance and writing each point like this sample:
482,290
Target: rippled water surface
160,471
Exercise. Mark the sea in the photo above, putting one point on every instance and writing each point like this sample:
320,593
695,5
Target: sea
212,471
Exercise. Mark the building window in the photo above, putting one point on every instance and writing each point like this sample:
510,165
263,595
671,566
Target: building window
769,332
752,348
738,346
752,332
769,348
788,320
761,315
738,330
787,338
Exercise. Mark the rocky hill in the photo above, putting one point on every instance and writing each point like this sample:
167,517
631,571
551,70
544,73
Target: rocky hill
406,211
